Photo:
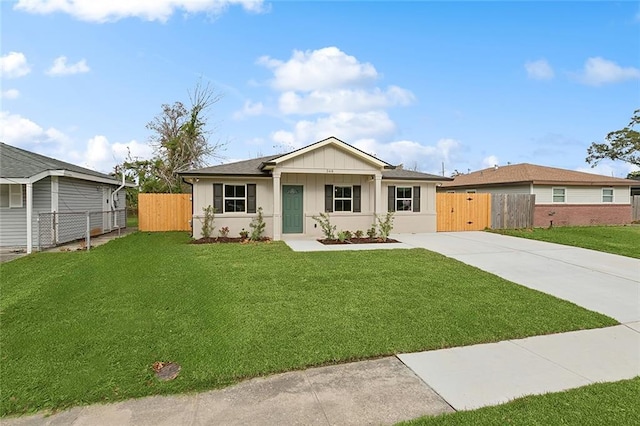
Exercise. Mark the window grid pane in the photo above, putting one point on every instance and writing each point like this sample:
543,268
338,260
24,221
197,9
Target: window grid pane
342,198
403,198
234,198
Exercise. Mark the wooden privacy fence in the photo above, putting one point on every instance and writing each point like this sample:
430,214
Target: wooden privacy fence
463,212
475,212
635,208
164,212
512,211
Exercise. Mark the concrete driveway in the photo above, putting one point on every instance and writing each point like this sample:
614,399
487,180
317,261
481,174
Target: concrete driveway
600,282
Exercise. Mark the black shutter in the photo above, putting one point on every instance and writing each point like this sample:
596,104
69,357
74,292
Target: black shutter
217,197
416,199
328,198
251,198
356,199
392,199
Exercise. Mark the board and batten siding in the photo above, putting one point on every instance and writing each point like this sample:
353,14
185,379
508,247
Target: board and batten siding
581,194
326,158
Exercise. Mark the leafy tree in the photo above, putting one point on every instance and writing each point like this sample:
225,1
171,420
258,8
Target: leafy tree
180,139
634,175
621,145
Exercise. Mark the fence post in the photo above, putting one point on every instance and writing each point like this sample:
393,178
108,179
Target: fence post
88,238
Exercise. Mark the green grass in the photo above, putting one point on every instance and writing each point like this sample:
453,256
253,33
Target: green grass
132,221
622,240
599,404
83,327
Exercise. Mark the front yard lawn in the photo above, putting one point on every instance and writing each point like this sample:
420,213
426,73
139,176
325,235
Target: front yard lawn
623,240
84,327
599,404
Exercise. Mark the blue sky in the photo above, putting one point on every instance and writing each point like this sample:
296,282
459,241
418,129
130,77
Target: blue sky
467,84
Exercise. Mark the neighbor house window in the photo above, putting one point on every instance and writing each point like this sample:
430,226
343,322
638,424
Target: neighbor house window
559,195
11,196
342,198
607,195
403,198
471,191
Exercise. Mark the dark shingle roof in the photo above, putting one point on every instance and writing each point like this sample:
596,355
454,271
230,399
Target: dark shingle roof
18,163
402,174
531,173
239,168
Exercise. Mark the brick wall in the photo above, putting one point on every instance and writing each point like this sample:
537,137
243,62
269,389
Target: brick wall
581,214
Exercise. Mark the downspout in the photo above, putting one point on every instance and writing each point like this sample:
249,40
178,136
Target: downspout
113,195
191,221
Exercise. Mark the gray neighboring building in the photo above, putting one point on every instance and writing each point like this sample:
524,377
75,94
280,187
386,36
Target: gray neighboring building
31,184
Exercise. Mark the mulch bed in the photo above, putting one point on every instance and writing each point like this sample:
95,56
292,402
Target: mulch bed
222,240
366,240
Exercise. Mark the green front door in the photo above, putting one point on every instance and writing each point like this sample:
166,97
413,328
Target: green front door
292,209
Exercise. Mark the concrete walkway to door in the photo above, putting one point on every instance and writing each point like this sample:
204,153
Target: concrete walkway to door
600,282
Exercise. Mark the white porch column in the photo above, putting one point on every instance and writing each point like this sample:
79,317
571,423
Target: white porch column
277,208
378,209
29,217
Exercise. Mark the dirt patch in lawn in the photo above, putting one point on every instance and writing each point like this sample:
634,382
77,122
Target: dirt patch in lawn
223,240
358,241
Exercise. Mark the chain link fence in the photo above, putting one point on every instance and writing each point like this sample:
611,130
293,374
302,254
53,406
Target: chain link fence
58,228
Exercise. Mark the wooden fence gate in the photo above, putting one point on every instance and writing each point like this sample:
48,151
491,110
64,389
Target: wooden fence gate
635,208
164,212
463,212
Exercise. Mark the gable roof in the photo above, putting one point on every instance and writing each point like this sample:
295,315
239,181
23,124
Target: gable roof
532,174
329,141
262,166
21,165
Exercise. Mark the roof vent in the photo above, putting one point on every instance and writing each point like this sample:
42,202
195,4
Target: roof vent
495,167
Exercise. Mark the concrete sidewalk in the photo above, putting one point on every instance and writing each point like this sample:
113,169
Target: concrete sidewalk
382,391
476,376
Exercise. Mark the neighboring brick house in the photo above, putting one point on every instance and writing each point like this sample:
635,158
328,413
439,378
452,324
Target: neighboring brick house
564,197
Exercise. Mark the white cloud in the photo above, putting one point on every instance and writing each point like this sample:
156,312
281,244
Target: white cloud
539,70
97,154
60,67
347,126
20,131
13,65
249,109
428,158
490,161
598,71
10,94
149,10
322,69
343,100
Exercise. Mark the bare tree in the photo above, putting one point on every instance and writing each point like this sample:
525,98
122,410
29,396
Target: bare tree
181,138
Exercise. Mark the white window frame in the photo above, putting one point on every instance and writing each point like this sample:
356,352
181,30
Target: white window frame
14,192
225,198
553,194
603,195
335,198
406,201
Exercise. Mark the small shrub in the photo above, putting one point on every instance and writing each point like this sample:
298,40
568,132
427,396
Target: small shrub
358,234
371,232
257,226
325,223
348,235
385,225
342,236
224,231
209,219
244,234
